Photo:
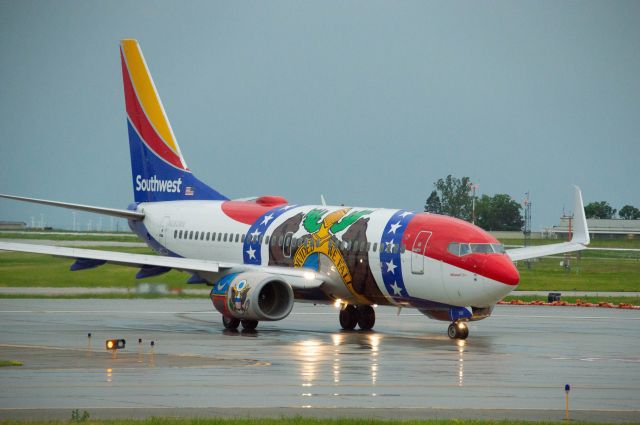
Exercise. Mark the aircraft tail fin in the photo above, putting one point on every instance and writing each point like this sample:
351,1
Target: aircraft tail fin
159,170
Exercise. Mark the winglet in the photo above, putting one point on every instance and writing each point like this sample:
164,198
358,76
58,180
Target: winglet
580,229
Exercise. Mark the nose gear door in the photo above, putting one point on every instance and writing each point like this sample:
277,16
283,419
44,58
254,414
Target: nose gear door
418,252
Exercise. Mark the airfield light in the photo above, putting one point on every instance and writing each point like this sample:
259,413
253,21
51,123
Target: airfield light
338,303
115,344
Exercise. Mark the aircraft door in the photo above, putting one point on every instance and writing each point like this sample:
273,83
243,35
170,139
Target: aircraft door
162,236
418,252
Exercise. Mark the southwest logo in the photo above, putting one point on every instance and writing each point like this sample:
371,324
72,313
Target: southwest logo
155,185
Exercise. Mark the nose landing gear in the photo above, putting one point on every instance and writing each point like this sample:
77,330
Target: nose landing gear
458,330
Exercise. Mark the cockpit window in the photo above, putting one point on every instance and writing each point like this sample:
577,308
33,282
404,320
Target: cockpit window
454,248
461,249
481,248
498,247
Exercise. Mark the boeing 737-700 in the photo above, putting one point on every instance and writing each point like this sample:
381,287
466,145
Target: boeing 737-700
261,254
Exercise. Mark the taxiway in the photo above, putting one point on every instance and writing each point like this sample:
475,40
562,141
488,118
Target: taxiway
516,361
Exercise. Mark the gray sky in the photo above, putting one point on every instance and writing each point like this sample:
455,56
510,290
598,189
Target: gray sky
367,103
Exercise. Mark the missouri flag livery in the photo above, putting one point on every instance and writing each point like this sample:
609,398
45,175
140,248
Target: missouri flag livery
261,254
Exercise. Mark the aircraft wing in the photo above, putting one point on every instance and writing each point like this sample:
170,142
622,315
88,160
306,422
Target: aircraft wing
89,258
578,242
129,215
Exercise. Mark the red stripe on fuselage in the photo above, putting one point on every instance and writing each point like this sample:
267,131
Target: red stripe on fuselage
248,212
446,230
141,123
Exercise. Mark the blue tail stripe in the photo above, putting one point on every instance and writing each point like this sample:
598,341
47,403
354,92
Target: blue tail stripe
156,180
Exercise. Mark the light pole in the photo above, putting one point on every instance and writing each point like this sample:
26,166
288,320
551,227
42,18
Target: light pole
473,187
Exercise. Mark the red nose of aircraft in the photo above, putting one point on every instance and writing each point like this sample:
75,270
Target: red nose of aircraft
501,269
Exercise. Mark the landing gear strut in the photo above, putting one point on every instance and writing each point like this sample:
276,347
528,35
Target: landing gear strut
458,330
364,316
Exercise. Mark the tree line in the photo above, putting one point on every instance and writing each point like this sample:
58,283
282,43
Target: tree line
452,196
602,210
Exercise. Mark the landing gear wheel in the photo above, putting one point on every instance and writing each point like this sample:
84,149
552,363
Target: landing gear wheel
458,330
366,317
249,325
349,317
230,322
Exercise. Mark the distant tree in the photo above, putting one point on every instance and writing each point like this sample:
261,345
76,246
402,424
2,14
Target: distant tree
433,204
498,212
629,212
600,210
455,200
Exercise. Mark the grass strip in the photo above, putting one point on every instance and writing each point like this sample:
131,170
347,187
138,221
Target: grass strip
280,421
573,300
5,363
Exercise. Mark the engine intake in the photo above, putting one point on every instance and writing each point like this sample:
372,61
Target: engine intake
253,296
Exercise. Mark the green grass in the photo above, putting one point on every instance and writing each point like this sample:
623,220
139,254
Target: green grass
281,421
70,236
572,300
37,270
595,243
588,274
5,363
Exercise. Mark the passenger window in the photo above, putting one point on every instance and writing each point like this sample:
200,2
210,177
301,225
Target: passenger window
197,233
191,235
375,246
242,238
237,237
402,249
395,249
180,234
266,240
368,246
201,236
175,234
224,239
213,236
219,236
208,235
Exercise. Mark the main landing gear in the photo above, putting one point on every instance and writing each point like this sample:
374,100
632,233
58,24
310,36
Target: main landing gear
233,323
363,315
458,330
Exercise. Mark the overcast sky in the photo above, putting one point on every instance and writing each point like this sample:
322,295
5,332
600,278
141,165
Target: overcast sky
367,103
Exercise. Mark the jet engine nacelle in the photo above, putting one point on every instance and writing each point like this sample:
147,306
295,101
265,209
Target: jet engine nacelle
253,296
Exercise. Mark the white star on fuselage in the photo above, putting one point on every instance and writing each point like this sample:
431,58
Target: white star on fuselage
406,213
252,253
390,246
391,267
255,234
394,227
267,219
396,289
286,207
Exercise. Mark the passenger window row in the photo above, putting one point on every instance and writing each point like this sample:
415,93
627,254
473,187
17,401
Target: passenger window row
355,246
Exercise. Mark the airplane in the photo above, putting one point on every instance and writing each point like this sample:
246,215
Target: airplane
262,254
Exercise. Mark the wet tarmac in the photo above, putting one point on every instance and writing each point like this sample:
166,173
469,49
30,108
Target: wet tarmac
516,361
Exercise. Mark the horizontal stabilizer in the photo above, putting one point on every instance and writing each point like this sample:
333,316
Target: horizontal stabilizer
129,215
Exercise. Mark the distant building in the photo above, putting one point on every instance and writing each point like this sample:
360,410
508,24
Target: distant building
12,225
602,228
